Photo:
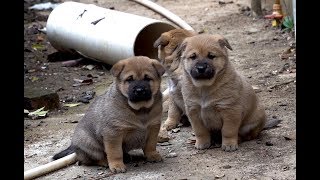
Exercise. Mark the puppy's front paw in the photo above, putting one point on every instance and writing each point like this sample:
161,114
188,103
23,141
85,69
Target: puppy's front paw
170,124
202,143
117,167
230,147
229,144
153,157
163,136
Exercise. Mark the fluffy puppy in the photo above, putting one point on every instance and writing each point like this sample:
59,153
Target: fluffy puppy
126,117
169,55
216,96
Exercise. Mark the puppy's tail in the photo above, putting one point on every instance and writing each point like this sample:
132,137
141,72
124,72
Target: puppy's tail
71,149
272,123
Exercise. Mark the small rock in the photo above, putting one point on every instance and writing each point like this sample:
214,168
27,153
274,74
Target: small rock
256,89
201,31
275,38
76,177
274,72
100,173
100,73
289,137
69,99
86,96
89,67
221,2
226,167
244,8
171,155
252,30
180,125
135,165
285,168
165,144
218,176
268,143
175,130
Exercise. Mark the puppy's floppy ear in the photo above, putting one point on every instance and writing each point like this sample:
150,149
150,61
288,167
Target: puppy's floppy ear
158,67
223,42
163,40
117,68
180,49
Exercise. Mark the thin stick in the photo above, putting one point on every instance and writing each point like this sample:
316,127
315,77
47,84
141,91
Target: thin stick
52,166
166,13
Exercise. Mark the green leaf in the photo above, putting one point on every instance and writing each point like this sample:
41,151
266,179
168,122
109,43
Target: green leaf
37,46
288,22
72,105
38,112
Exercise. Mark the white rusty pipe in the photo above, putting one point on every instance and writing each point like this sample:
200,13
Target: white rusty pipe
102,34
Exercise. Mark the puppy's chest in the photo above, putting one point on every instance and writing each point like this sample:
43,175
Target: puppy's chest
210,116
208,112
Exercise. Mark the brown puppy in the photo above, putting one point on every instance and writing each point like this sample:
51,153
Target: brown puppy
126,117
169,55
216,96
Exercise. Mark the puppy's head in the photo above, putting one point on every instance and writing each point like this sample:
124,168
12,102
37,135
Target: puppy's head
167,44
204,57
138,79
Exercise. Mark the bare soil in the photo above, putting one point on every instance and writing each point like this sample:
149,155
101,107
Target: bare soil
260,52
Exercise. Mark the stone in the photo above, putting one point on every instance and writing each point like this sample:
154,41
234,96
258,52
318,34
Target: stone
35,98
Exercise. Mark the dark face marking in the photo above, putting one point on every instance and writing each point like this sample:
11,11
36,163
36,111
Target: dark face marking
139,90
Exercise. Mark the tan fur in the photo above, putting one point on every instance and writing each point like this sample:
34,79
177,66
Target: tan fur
169,56
225,102
113,125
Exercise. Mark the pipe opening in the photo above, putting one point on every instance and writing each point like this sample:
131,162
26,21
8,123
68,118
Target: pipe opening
143,45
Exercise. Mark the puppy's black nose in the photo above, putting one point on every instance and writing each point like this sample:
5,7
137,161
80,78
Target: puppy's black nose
201,68
139,91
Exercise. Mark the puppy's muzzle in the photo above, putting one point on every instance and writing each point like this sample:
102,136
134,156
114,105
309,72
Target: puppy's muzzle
139,91
202,70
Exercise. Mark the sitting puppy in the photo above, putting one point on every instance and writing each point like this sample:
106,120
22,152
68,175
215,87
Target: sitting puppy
216,96
126,117
169,56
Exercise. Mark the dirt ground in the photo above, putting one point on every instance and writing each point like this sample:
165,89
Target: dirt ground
264,54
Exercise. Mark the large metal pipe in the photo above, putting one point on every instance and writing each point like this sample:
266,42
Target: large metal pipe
102,34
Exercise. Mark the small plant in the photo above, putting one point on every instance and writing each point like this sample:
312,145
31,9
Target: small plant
288,23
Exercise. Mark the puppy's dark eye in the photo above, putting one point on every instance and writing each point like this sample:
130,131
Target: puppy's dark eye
193,56
211,56
129,79
147,78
